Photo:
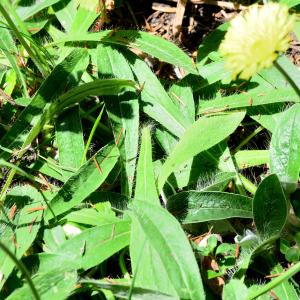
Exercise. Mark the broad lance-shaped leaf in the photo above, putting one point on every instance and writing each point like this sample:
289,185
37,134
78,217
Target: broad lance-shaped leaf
285,149
87,249
168,239
122,291
155,101
148,269
31,120
193,206
85,181
143,41
56,284
19,224
69,139
123,112
200,136
182,95
145,188
270,207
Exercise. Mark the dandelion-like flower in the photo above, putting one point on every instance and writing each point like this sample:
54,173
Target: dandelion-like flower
254,40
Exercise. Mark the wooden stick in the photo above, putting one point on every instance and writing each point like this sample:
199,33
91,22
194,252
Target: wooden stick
177,23
223,4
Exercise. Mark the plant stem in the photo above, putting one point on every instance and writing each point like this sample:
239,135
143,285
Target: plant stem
91,136
123,265
248,138
7,184
272,284
249,186
22,268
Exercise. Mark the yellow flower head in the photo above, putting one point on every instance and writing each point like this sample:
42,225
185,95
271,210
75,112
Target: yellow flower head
254,39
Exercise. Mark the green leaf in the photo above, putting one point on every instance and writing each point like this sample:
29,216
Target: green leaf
182,95
34,116
86,180
69,138
290,3
147,274
85,16
121,291
249,99
123,111
267,115
166,236
285,149
155,100
53,238
251,158
193,207
90,216
65,12
89,248
269,207
211,73
25,12
210,43
285,290
147,264
234,290
56,284
145,182
9,49
143,41
219,127
19,225
154,46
